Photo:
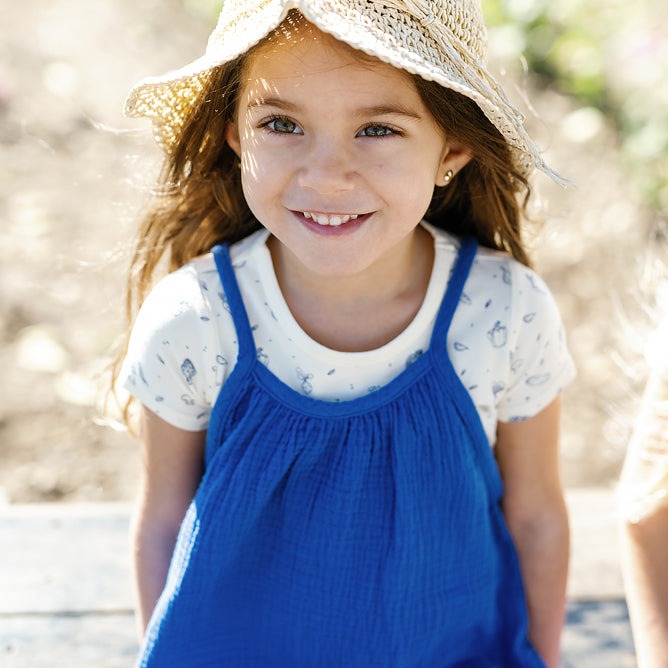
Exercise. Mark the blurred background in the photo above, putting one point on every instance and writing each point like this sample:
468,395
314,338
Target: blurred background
74,174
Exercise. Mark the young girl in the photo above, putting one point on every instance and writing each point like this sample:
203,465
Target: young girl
355,409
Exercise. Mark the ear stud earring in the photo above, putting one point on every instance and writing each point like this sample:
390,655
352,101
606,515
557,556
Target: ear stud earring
447,177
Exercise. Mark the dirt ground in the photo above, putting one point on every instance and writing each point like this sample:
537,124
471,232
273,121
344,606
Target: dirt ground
73,173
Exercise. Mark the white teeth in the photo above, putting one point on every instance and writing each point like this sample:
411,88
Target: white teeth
327,219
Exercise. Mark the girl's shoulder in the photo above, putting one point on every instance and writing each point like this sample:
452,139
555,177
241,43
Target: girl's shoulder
507,339
195,288
529,306
449,242
176,357
496,270
185,292
250,255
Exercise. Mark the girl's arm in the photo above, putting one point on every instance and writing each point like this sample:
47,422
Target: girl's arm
171,472
534,507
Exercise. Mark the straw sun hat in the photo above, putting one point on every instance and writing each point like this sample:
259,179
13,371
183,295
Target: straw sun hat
440,40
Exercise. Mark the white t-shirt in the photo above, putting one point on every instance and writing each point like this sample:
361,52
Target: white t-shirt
506,340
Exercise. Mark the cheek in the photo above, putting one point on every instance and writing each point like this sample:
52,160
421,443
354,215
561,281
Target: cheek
418,187
420,163
410,178
260,161
253,193
261,186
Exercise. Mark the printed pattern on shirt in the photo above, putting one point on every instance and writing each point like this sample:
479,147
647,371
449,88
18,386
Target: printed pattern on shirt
506,341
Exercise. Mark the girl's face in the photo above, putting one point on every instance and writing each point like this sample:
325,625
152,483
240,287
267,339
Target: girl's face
339,155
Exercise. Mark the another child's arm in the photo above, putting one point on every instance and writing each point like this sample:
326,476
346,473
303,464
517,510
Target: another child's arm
534,507
171,472
645,555
644,527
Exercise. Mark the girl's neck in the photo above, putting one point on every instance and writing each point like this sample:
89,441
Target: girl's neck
362,311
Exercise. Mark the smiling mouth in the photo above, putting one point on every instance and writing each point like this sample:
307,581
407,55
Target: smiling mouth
328,219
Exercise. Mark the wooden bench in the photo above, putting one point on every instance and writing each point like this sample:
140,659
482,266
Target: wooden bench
66,588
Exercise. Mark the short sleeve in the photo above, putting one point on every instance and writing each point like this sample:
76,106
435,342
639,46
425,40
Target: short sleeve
540,365
174,365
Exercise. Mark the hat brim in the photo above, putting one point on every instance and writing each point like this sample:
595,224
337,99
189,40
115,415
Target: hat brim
167,99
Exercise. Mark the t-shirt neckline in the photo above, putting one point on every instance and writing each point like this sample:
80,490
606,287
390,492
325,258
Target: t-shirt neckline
403,341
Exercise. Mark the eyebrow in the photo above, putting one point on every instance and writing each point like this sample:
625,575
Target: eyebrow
389,110
271,102
375,110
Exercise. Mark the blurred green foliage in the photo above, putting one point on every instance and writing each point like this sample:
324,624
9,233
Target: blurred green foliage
608,54
209,9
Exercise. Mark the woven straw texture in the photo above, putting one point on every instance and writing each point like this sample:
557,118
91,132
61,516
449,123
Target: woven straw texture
442,40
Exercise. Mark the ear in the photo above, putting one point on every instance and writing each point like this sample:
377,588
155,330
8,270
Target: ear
455,157
232,138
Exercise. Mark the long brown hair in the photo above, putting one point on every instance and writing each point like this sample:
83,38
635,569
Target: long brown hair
200,202
488,198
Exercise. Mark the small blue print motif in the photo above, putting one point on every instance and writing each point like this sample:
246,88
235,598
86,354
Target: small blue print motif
223,299
262,357
534,284
539,379
187,400
183,307
516,366
188,370
506,276
529,317
498,335
304,379
460,347
413,357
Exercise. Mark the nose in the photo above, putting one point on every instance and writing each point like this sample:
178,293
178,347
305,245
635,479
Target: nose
327,168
